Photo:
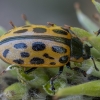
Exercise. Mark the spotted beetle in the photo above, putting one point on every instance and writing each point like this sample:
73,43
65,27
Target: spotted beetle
34,46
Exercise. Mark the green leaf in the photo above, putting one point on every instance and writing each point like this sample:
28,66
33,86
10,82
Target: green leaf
90,89
86,22
36,78
80,32
15,91
94,41
97,5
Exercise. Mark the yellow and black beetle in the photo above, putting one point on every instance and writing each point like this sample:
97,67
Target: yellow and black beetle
35,46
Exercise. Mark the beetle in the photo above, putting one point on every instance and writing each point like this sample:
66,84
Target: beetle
35,46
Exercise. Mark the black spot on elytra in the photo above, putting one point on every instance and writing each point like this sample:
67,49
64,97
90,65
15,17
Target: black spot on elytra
36,60
39,30
63,59
38,46
52,63
59,49
20,46
5,52
47,56
58,31
18,61
24,54
21,31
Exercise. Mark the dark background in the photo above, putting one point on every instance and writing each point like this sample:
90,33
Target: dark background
59,12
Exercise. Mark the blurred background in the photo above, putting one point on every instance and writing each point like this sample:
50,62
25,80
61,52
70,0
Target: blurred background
59,12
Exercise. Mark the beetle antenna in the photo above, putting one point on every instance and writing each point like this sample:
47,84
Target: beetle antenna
11,23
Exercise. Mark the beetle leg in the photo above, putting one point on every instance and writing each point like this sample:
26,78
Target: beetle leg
68,65
30,70
94,63
56,76
87,55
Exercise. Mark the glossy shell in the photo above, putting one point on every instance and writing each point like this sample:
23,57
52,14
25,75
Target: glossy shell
36,46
